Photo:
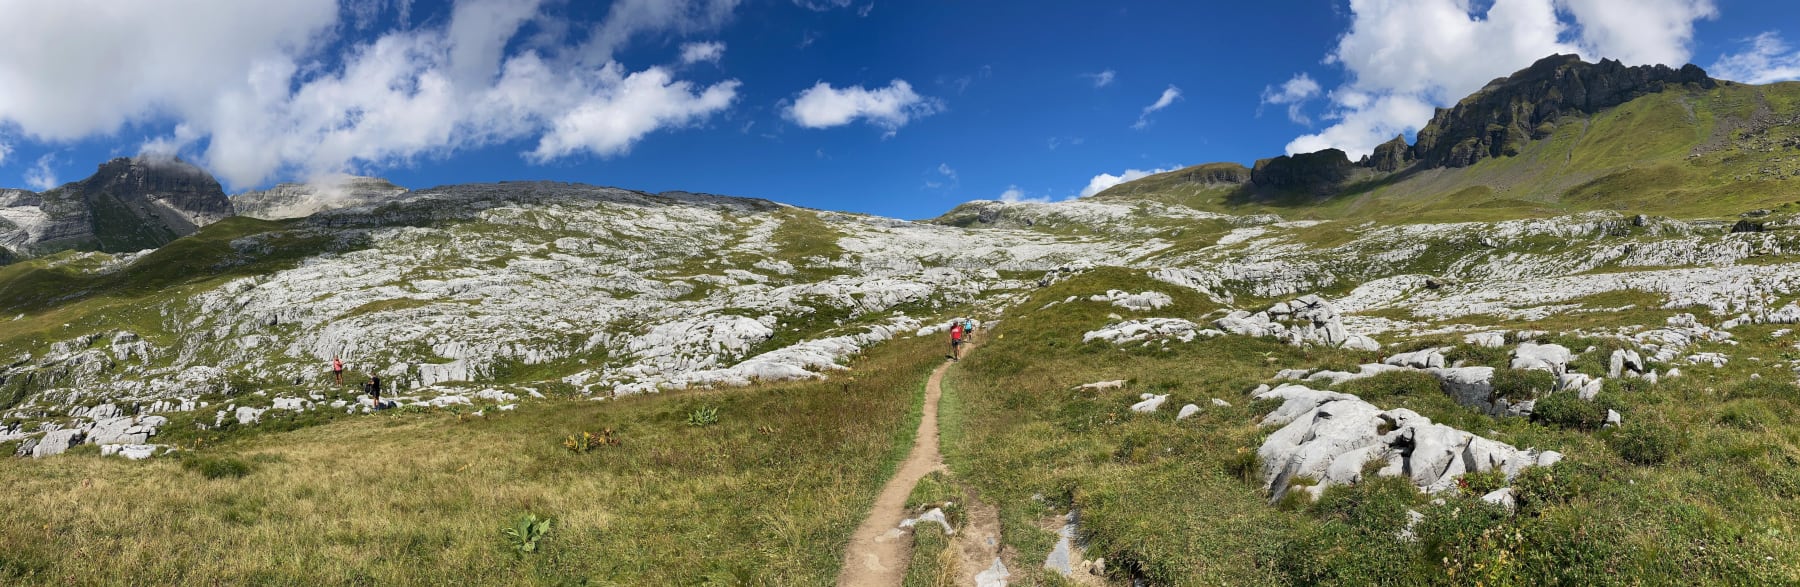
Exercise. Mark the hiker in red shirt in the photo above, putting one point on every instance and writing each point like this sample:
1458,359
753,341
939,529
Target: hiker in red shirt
337,370
956,340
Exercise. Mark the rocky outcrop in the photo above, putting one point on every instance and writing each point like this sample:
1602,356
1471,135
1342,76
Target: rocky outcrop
293,200
1389,156
1326,438
129,204
1306,172
1307,320
1498,120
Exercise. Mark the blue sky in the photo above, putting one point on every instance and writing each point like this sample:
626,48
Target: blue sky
898,108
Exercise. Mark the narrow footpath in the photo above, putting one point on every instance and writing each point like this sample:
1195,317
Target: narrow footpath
879,550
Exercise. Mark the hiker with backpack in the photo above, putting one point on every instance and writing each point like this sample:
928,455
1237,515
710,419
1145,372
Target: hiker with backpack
956,340
373,388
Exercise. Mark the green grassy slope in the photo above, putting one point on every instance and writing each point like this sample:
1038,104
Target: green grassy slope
1700,487
1684,153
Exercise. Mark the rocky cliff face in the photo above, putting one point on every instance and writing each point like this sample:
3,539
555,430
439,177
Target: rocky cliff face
1304,172
1390,156
291,200
129,204
1502,117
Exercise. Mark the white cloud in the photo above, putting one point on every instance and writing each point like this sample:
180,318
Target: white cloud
1106,181
1769,59
1294,94
1102,79
1014,195
692,53
625,109
1639,32
1169,96
890,108
244,81
1405,57
822,5
946,178
41,177
627,19
6,149
76,68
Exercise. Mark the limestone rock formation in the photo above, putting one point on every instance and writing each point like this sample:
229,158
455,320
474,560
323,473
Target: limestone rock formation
293,200
1328,437
129,204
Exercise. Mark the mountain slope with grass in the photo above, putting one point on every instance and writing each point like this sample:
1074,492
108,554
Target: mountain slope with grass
1172,386
1559,137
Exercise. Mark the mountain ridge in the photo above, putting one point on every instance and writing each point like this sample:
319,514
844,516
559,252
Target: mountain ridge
1559,136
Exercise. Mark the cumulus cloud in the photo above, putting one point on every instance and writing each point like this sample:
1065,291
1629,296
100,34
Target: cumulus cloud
1768,59
1106,181
889,108
1014,195
1639,32
1169,96
41,176
1294,94
1102,79
246,84
6,150
1405,57
692,53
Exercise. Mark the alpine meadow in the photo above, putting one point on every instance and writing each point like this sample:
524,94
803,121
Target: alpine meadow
1548,336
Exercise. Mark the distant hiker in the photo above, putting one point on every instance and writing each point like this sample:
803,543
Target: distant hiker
337,370
969,329
956,340
373,387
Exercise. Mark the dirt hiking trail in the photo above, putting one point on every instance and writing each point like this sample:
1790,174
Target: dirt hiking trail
879,550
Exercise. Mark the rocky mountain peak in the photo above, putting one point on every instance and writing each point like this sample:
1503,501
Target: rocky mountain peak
1511,111
128,204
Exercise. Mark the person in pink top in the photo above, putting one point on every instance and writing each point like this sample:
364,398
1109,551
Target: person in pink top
956,340
337,370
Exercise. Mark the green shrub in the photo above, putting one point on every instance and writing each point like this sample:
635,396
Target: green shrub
1393,384
1568,410
1377,504
525,532
1479,484
1752,415
703,416
1524,384
216,467
1538,488
1477,356
1645,443
1765,387
1243,465
1464,534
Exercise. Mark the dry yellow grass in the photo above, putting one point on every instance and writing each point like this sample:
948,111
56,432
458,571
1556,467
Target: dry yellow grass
766,496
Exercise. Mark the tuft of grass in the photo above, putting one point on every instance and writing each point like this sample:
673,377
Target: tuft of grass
217,467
